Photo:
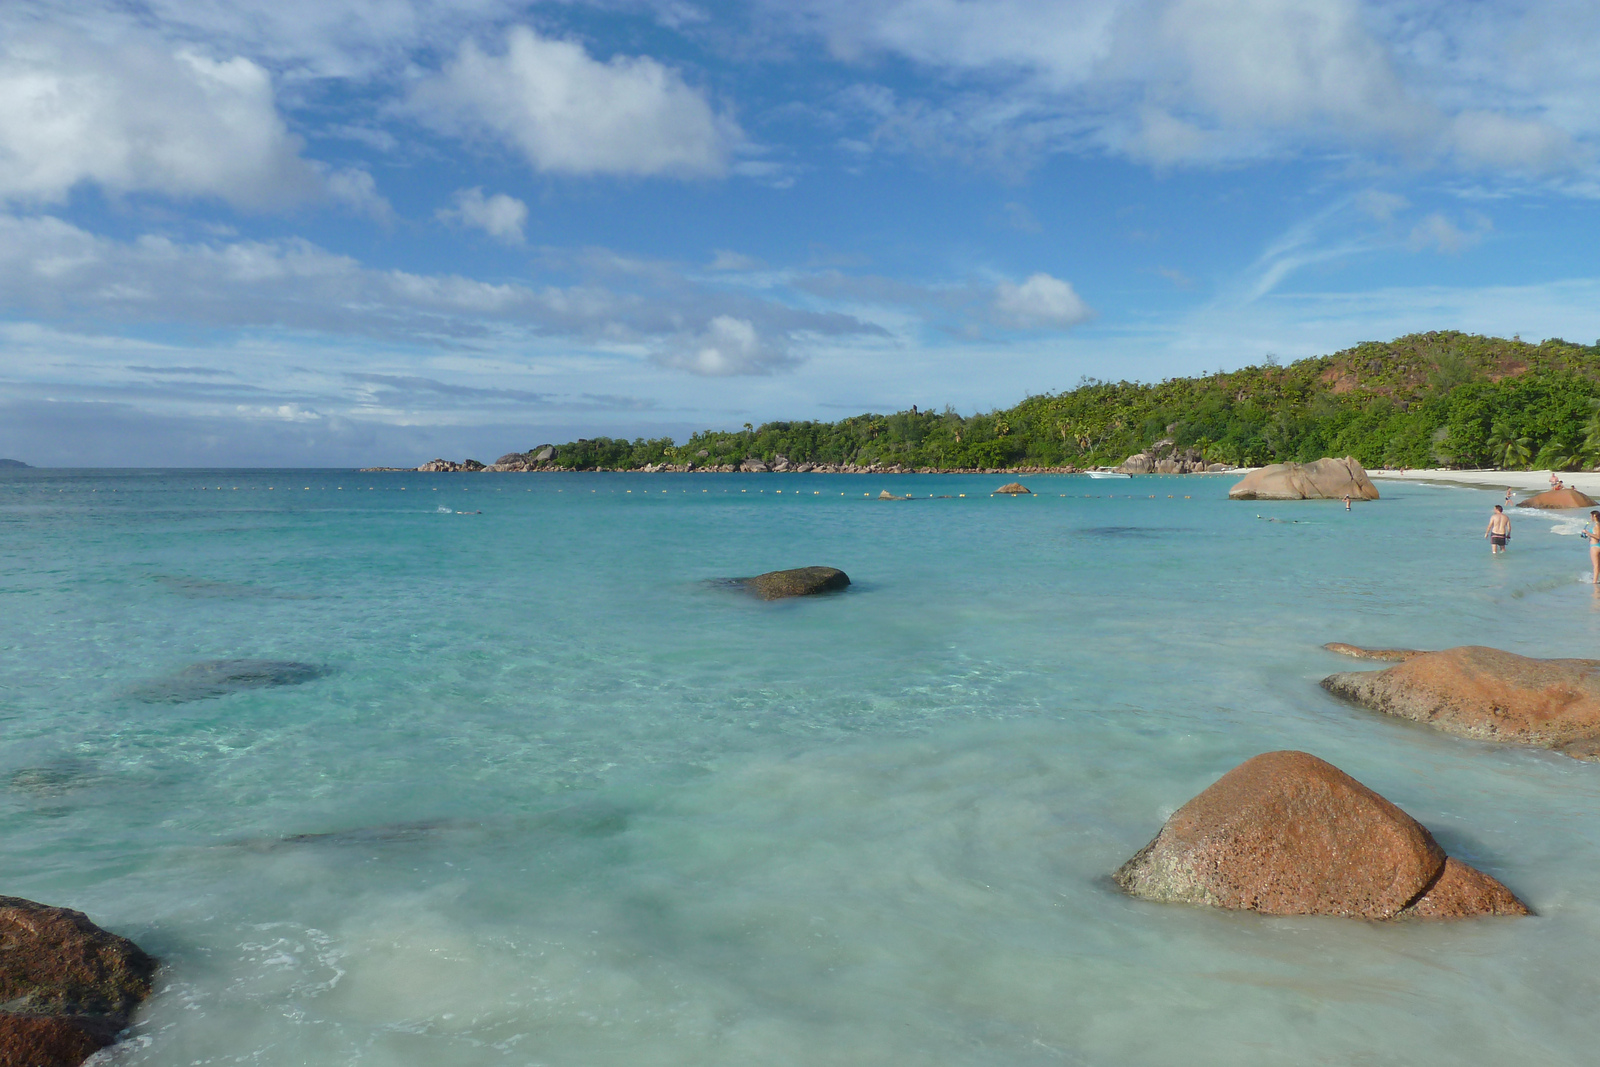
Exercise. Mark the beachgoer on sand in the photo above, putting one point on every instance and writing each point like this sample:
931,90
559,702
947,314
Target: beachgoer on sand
1555,483
1499,531
1591,534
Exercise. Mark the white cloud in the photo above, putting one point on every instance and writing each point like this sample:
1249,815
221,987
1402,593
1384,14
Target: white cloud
1440,234
725,259
1041,301
727,347
571,114
500,216
136,116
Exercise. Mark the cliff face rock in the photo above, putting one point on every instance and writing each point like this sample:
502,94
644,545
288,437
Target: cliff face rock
68,987
1489,695
802,581
1286,833
1326,479
1558,500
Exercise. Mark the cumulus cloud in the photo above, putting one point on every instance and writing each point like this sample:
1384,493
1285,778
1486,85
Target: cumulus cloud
500,216
137,116
53,270
1438,233
569,113
727,346
1182,82
1041,301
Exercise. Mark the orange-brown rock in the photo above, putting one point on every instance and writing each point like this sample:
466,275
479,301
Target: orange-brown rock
1558,500
1015,489
67,986
1286,833
1462,892
1357,652
1326,479
50,1040
1489,695
801,581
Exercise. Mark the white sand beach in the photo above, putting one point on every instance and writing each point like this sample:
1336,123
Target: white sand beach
1522,481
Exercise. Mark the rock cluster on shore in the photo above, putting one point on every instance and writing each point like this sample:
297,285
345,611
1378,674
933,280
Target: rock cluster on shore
521,462
67,987
1285,833
1163,457
1487,694
1326,479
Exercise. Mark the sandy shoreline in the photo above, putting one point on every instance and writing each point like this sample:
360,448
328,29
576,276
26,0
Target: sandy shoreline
1522,481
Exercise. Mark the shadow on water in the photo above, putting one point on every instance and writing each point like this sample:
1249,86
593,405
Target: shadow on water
214,678
592,820
1128,533
205,589
55,779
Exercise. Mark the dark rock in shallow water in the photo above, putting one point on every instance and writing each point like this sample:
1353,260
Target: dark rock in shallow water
67,986
802,581
219,677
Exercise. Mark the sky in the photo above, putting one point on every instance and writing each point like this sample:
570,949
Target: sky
355,232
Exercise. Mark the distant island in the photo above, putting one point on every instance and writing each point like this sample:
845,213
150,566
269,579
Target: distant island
13,464
1442,399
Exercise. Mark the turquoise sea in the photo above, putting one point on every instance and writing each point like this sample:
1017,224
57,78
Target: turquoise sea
558,797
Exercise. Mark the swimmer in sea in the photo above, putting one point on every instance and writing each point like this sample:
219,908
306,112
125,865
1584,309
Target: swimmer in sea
1591,534
1508,494
1347,501
1499,531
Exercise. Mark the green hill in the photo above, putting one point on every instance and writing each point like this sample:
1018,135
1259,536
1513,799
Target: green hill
1433,399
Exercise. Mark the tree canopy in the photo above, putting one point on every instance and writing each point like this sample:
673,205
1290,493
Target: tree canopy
1434,399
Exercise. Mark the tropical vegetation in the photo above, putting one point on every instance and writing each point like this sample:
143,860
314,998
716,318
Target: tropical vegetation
1434,399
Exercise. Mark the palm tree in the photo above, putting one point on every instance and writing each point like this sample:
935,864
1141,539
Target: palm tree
1506,449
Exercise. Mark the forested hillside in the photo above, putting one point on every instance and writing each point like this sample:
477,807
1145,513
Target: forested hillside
1434,399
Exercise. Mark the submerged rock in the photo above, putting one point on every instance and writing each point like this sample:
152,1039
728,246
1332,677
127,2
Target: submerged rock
215,678
67,986
802,581
1489,695
1326,479
1558,500
1285,833
1396,655
1015,489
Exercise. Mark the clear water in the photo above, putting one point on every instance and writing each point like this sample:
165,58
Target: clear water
562,800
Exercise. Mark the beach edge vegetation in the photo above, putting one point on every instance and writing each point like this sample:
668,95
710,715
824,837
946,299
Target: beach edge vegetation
1439,399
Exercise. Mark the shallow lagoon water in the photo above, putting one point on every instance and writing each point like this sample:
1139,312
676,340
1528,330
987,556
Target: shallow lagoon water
561,798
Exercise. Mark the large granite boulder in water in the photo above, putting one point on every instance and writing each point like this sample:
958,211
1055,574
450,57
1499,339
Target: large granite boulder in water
1489,695
1326,479
802,581
1286,833
1015,489
218,677
67,987
1558,500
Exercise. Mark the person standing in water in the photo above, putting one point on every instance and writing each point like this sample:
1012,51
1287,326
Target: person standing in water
1499,531
1591,534
1347,501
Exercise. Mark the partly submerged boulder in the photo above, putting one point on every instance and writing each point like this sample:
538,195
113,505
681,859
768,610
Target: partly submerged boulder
1395,655
802,581
1326,479
1558,500
1015,489
218,677
67,986
1285,833
1489,695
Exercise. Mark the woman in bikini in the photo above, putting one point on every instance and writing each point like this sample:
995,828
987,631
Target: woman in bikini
1591,533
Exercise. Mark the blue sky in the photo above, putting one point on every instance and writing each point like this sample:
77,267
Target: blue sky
295,232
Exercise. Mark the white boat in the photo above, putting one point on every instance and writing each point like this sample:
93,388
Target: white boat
1108,474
